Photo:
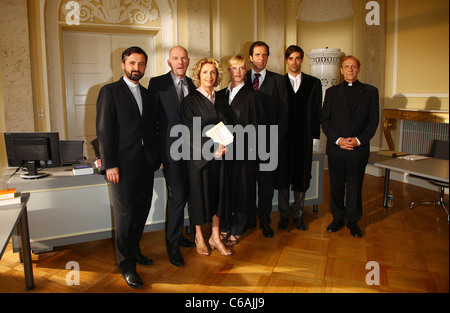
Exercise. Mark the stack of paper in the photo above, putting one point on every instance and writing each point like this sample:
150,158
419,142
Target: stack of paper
414,157
9,196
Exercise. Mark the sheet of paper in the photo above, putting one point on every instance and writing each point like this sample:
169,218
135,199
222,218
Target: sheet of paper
220,134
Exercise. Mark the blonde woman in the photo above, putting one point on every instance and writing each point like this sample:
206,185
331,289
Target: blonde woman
198,110
244,103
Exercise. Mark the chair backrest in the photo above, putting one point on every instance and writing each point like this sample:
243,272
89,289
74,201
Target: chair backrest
95,146
71,151
439,149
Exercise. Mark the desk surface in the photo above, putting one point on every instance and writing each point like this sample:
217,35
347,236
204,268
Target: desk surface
60,177
431,168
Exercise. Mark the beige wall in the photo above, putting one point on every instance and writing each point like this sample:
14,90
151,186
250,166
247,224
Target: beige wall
414,59
417,56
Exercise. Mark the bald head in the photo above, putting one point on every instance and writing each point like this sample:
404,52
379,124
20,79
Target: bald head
178,61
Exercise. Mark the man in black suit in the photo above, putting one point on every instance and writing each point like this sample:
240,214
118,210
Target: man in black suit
294,164
167,91
349,119
274,112
127,133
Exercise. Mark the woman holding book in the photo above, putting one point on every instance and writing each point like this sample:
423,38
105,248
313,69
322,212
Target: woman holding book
205,165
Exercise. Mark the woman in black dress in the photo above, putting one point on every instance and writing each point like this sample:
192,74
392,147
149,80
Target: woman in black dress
205,165
242,173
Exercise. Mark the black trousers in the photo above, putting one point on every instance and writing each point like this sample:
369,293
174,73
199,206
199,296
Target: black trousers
265,183
346,181
176,177
131,200
286,209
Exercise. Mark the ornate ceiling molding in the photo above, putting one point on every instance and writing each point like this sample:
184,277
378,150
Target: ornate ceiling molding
324,10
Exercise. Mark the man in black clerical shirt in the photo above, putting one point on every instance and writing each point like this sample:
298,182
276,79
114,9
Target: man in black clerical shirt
349,119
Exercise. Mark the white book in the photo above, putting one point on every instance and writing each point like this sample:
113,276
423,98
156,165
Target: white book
15,200
220,134
82,169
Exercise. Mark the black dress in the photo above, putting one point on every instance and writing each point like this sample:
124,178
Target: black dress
242,172
205,174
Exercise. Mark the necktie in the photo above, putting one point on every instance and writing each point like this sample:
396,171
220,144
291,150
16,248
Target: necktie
181,91
256,82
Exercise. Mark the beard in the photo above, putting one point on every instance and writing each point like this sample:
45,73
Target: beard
134,75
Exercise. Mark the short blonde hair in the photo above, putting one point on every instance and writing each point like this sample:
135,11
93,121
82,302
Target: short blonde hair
198,67
237,60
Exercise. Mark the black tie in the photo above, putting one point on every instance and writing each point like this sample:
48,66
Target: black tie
181,94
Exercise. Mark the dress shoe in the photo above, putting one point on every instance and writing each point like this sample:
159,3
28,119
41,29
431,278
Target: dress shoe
335,226
175,256
267,231
186,243
355,231
143,260
133,280
300,224
283,223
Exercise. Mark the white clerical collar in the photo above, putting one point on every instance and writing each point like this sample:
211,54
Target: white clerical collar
130,83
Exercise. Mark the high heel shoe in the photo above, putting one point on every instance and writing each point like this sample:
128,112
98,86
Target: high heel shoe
219,246
202,249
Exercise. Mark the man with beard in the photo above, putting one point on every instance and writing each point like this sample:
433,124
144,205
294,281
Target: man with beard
128,138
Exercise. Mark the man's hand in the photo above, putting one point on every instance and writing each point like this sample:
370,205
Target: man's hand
113,175
348,143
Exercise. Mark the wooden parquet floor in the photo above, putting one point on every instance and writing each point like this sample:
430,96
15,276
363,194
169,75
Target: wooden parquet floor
411,248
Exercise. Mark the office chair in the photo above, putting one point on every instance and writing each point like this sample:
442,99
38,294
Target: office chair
95,146
71,151
439,150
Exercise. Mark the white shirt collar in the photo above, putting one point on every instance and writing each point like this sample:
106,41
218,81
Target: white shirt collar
234,91
263,74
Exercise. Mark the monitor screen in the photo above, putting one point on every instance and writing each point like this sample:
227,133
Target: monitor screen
32,151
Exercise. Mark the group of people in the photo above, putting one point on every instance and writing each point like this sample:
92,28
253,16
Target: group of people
135,131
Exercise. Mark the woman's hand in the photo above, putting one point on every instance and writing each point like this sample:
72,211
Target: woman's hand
221,150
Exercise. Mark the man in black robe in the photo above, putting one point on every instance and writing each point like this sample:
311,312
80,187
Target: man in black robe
295,158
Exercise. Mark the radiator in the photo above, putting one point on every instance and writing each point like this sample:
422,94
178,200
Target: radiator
416,137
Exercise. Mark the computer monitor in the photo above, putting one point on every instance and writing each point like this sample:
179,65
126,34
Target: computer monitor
33,151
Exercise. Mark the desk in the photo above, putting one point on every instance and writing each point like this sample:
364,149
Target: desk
66,209
14,218
431,168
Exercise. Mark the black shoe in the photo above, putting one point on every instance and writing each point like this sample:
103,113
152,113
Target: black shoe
143,260
355,231
283,223
300,224
175,256
186,243
335,226
267,231
133,280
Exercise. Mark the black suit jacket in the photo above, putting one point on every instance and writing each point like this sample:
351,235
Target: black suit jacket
122,131
274,110
340,118
164,95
